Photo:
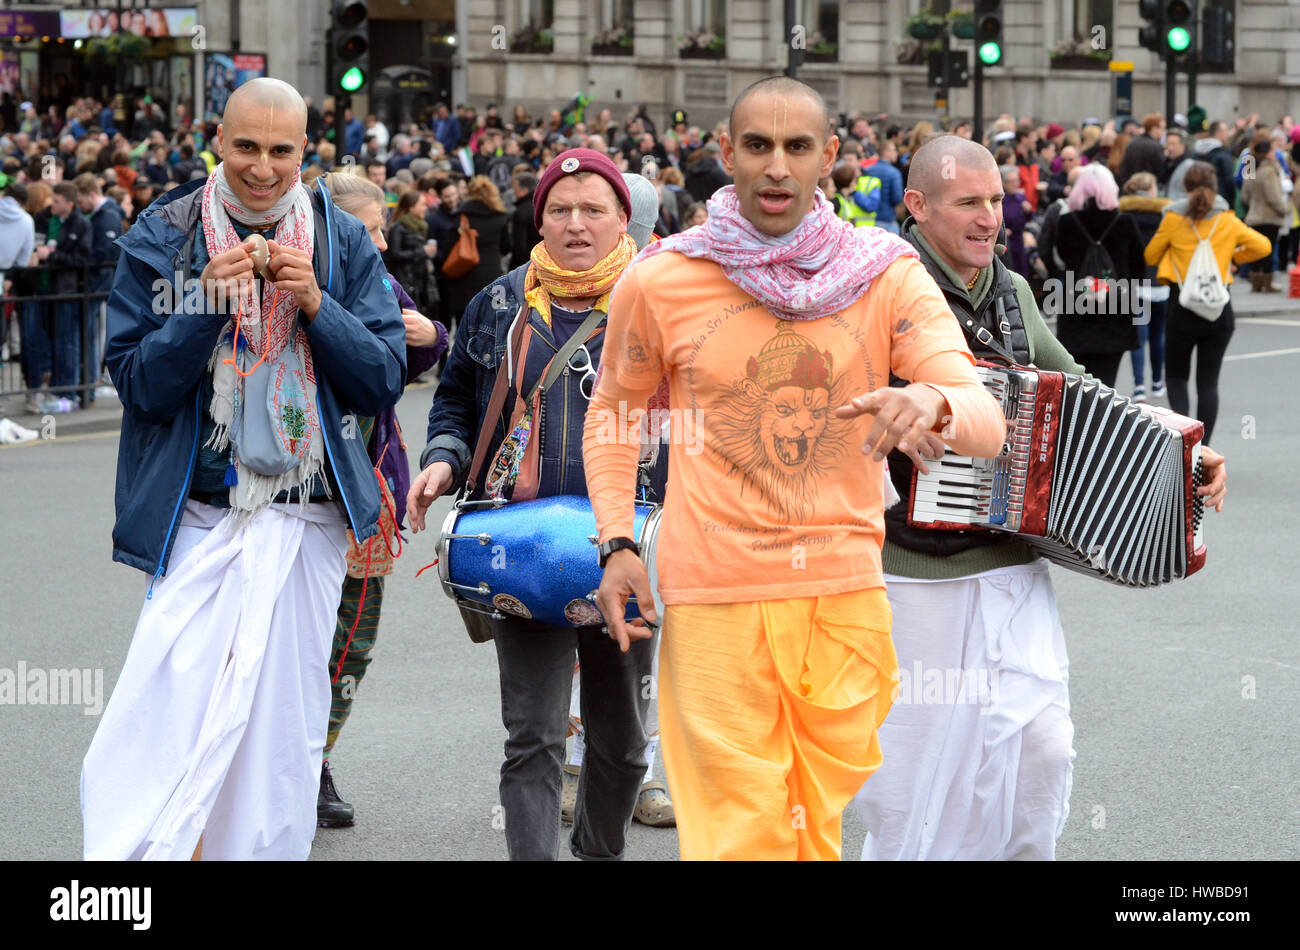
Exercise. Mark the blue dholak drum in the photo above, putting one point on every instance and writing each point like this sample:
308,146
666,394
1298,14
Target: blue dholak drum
535,559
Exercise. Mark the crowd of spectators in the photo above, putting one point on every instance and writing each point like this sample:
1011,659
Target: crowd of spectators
74,178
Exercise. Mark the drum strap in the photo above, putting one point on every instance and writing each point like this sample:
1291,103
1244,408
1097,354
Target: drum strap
496,402
502,386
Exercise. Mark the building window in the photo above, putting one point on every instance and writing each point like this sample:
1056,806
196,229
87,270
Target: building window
707,16
539,13
615,14
535,33
821,18
616,28
1089,30
1095,18
706,30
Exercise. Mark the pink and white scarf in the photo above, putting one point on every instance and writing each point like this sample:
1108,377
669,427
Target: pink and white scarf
266,327
820,268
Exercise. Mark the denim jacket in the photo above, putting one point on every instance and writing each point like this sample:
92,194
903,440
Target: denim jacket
462,398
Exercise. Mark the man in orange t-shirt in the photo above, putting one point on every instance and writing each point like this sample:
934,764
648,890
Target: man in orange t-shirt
777,326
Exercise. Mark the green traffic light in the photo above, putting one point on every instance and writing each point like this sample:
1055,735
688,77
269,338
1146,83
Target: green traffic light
352,80
1178,39
990,53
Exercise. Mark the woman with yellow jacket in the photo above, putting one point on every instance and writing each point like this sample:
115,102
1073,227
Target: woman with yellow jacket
1203,213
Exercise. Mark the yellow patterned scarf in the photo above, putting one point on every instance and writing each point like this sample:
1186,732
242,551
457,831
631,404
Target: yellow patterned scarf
546,279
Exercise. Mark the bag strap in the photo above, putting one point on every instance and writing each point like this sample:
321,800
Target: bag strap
1096,242
561,358
495,404
1199,241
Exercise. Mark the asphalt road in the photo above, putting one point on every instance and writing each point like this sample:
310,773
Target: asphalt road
1184,698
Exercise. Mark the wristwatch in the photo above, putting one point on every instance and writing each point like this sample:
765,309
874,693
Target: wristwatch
616,544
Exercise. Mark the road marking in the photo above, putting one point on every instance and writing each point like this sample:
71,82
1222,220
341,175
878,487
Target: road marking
1247,659
1270,321
59,438
1253,356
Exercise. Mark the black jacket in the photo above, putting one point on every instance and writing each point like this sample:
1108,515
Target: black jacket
71,253
184,169
1225,170
106,228
443,227
493,242
704,176
1143,154
524,235
1056,184
407,261
1111,332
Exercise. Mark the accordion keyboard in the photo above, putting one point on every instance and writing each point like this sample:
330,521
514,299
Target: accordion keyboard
961,490
1089,479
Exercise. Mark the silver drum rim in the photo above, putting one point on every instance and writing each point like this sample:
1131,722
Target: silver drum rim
444,549
648,542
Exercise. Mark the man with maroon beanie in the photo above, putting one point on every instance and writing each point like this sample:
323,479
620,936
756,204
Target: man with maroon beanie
581,208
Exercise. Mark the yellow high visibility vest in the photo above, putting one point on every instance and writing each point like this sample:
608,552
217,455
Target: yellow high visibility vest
849,209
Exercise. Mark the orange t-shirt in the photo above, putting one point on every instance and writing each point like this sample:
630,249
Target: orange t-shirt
769,493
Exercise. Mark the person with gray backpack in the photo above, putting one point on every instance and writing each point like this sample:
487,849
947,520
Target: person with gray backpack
1193,247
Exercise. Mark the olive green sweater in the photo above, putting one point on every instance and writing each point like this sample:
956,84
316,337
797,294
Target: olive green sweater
1045,352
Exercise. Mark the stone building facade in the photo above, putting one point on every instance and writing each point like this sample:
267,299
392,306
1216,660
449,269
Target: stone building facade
540,52
865,73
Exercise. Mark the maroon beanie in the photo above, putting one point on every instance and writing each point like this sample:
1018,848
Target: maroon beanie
572,161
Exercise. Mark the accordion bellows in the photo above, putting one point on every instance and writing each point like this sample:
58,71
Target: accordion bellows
1088,478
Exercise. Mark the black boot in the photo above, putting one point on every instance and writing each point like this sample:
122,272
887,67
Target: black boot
331,811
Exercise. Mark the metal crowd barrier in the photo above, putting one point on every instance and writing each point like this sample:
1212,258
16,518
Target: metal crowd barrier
12,381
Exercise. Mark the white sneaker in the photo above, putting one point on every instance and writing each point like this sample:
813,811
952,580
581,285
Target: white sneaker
1158,390
1139,394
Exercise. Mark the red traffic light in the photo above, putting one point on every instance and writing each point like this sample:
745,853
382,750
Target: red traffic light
350,14
1177,11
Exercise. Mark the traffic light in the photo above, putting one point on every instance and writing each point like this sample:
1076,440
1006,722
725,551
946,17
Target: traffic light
1180,26
350,48
1216,42
988,31
1151,35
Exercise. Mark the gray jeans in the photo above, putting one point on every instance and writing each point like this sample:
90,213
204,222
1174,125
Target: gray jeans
536,665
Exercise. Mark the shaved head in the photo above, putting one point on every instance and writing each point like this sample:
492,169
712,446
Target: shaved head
267,93
262,136
937,161
783,85
777,147
954,196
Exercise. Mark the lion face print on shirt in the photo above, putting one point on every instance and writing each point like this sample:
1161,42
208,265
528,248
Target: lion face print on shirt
775,427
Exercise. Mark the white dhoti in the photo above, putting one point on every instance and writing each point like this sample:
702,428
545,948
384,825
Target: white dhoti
978,745
217,723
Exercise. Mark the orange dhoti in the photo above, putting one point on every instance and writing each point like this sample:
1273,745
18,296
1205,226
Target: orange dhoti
768,717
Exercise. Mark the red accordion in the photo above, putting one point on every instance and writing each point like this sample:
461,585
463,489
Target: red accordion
1088,478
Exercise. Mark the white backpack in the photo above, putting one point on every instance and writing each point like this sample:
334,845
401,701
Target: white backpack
1203,290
